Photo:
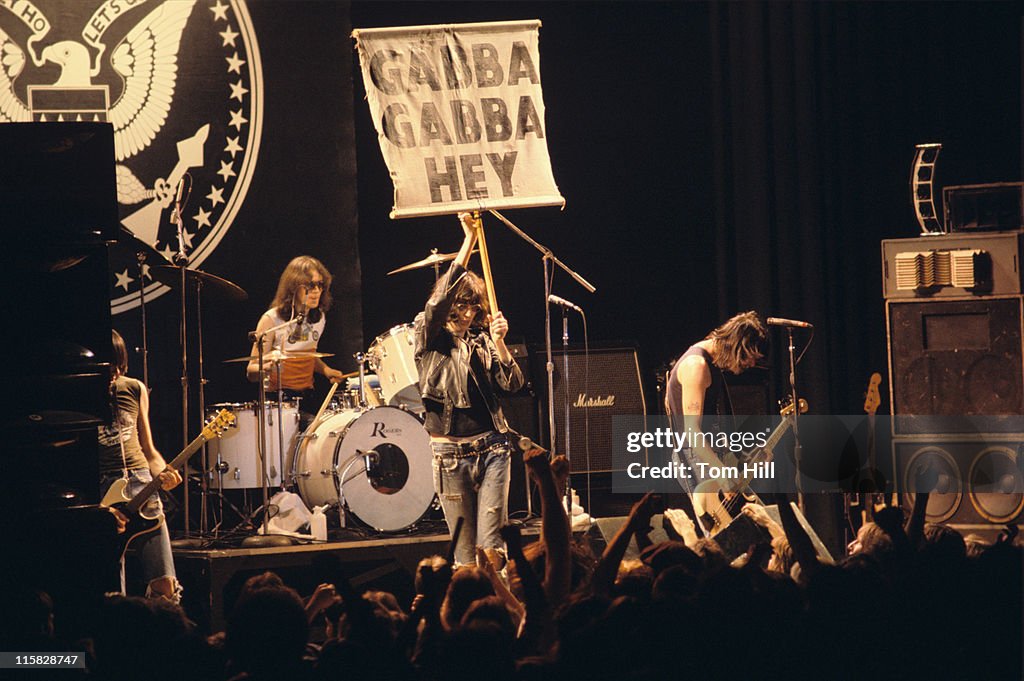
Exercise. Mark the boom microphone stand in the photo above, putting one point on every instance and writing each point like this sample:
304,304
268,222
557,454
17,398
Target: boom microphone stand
547,259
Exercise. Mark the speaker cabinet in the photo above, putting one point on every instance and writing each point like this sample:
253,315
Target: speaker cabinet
956,366
605,385
977,482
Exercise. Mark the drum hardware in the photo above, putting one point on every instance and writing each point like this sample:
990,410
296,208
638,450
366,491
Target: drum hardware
145,256
392,357
258,340
282,355
330,466
434,260
181,276
236,452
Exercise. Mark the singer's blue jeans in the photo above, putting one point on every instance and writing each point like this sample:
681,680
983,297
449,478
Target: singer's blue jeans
473,485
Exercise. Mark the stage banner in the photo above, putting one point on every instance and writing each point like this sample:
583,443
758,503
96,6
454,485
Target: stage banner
459,113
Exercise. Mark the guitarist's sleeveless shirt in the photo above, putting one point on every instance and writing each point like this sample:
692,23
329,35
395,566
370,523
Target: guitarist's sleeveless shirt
717,412
127,398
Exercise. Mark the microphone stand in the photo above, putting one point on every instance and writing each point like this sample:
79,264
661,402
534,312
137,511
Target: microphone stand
547,259
797,447
181,260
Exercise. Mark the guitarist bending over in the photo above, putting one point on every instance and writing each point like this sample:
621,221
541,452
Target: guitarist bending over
127,451
696,396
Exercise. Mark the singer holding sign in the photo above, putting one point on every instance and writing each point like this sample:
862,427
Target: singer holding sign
303,296
463,364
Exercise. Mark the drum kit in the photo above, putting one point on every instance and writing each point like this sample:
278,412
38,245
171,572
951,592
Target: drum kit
365,452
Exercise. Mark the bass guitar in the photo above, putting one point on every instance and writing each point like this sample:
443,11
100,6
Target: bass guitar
138,523
714,505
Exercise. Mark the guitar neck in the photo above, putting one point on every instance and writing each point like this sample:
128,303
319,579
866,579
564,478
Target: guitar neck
146,492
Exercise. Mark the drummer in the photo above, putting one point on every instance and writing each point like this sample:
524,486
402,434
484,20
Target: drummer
303,296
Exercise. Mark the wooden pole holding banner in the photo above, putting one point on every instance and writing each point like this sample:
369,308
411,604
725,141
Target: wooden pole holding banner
485,262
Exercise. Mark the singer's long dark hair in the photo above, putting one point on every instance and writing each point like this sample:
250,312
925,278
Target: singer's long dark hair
299,273
470,289
742,338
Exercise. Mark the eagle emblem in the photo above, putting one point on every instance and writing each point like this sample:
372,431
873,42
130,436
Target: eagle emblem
147,67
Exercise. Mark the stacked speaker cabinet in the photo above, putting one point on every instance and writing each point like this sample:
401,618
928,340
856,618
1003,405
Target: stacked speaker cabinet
599,385
956,373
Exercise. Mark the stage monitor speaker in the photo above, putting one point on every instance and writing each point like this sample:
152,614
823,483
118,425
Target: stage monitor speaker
979,483
956,366
608,385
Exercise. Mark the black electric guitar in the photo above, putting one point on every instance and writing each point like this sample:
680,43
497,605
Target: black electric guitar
138,523
715,506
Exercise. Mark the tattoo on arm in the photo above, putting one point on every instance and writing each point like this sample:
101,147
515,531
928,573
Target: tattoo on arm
693,407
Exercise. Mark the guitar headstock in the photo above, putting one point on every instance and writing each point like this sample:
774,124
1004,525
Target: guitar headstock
218,424
786,407
872,399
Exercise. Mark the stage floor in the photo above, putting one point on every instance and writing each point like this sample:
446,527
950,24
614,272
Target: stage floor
213,577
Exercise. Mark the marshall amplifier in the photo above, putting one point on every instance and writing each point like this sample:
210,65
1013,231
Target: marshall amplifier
599,387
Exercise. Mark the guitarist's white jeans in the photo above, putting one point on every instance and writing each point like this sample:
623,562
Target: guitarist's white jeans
154,548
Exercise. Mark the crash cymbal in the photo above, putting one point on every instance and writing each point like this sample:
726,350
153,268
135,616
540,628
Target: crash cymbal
170,275
434,258
280,356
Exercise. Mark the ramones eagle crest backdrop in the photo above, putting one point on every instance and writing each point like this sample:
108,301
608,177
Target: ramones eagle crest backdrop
251,103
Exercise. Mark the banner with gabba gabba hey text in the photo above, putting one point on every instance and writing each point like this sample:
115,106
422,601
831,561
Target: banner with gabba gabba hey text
459,112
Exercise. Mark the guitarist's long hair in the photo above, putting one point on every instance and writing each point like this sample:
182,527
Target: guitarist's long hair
119,365
740,339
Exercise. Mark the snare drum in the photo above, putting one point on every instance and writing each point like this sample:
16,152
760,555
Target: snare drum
379,460
237,448
392,357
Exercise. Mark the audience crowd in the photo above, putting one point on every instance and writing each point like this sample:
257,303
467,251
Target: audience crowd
910,601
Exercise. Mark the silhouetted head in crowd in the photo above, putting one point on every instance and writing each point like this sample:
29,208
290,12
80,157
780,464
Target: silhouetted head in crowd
468,584
267,631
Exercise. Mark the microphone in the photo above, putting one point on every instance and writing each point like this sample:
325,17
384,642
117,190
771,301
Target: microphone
526,444
370,459
179,258
563,302
181,190
300,318
780,321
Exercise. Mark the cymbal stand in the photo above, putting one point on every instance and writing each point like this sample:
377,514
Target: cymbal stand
261,420
361,361
140,258
183,340
204,485
547,259
280,427
437,266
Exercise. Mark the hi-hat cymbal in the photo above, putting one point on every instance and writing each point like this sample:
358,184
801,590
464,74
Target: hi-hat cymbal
130,247
171,276
281,356
434,258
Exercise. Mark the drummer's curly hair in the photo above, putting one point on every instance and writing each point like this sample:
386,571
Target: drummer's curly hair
298,273
741,338
471,290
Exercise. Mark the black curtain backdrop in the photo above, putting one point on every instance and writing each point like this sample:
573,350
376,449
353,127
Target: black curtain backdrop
722,157
719,157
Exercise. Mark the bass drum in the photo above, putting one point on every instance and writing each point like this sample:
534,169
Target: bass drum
384,456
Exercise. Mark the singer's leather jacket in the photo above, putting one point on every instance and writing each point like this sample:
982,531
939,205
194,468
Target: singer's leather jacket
444,372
